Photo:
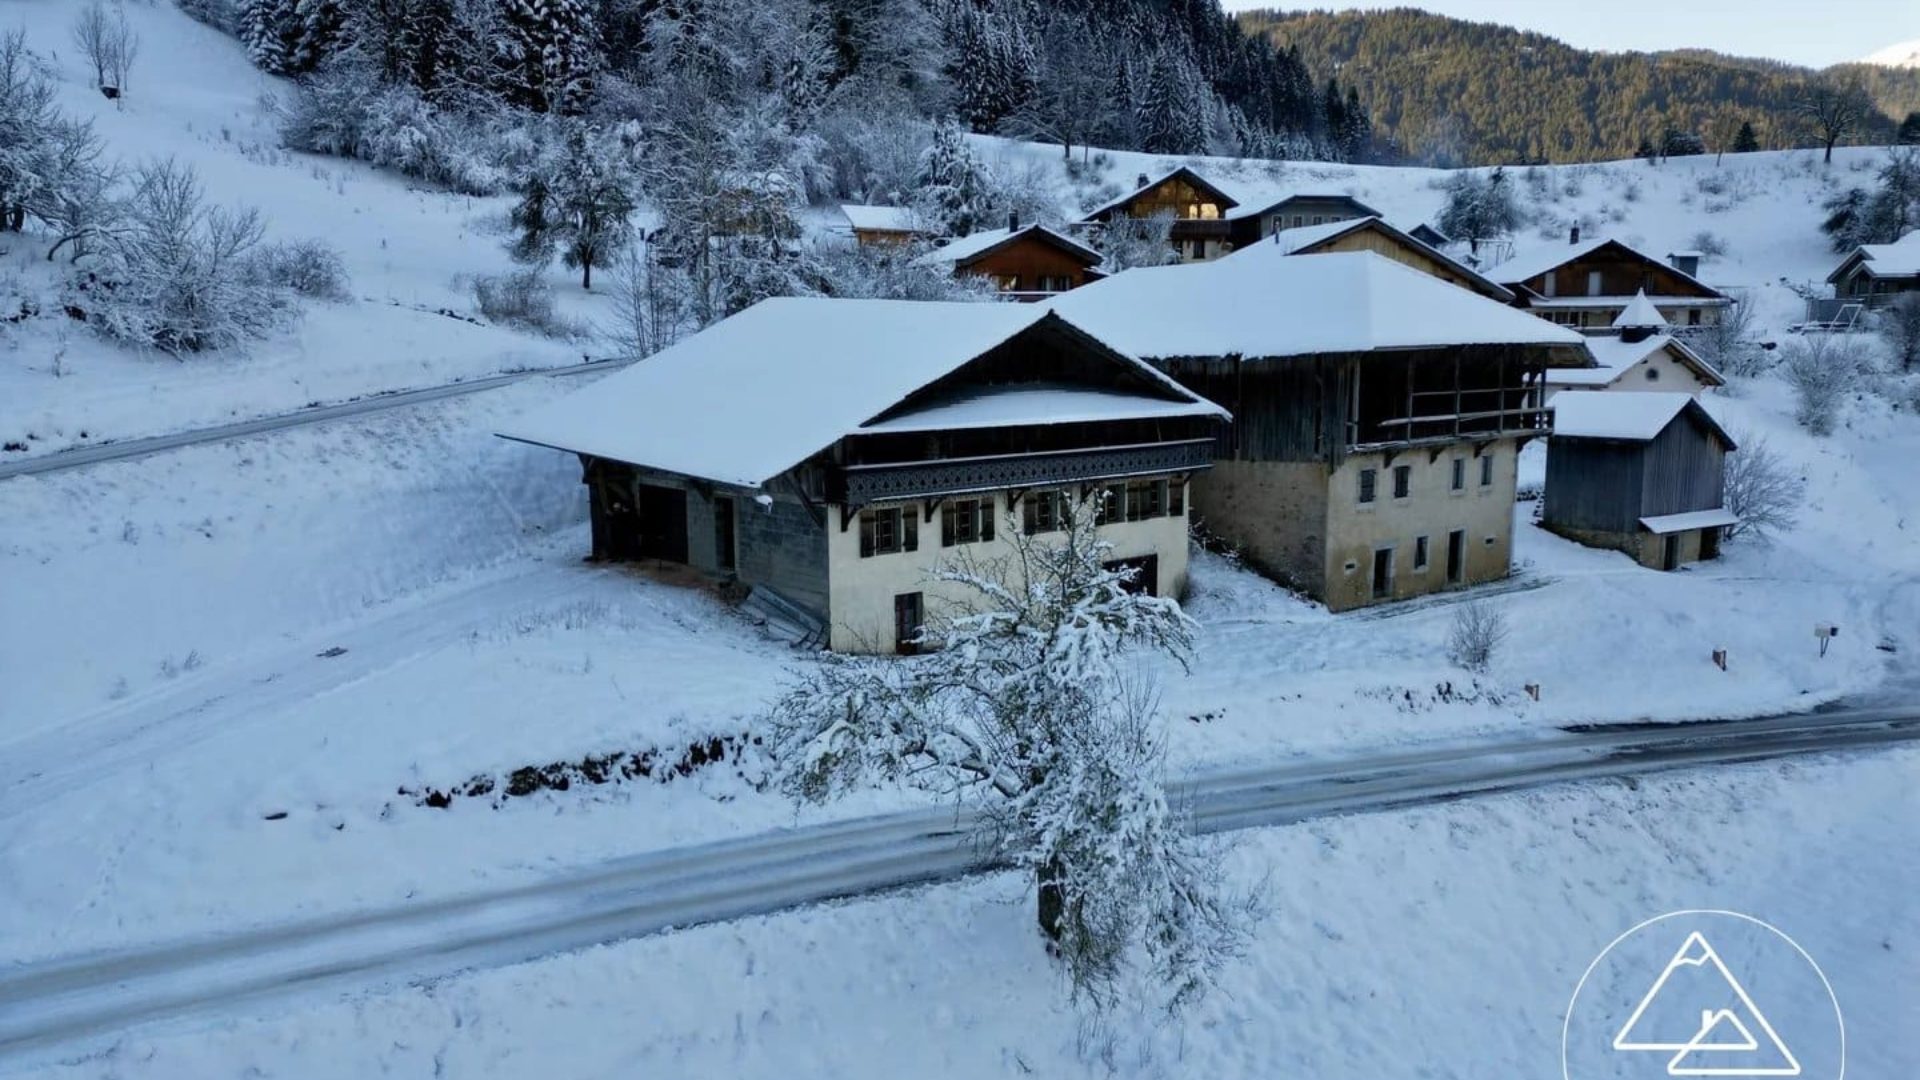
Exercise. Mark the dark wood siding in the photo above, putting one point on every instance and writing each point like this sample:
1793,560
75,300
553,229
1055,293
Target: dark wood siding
1593,484
1283,410
1685,468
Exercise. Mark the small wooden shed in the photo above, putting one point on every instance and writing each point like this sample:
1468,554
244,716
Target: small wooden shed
1641,473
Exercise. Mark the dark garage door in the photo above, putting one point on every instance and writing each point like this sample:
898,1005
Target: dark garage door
663,523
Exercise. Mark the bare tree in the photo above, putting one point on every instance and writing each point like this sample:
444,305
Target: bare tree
108,43
1478,631
1728,342
1028,705
1899,325
1823,370
1070,92
1834,108
1760,488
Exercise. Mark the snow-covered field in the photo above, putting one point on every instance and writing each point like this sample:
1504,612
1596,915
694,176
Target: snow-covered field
183,750
1443,941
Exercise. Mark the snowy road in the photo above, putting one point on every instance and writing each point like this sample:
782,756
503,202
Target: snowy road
57,1002
131,448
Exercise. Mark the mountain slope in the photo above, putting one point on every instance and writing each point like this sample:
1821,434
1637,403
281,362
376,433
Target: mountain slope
1452,91
1904,55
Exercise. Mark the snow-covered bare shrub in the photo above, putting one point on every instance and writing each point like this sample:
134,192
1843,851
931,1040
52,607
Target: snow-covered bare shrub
1899,326
871,154
1027,704
109,44
1478,631
1729,343
175,275
27,122
1127,242
1761,488
310,268
522,299
1823,370
1708,243
851,270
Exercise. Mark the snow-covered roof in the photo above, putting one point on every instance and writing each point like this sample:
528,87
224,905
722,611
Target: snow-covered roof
974,245
1290,241
1531,263
1635,417
754,395
1898,259
1615,355
1573,302
1248,209
1154,181
882,218
1640,314
1692,519
1012,406
1253,308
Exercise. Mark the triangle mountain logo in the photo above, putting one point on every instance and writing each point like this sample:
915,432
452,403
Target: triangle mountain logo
1698,1012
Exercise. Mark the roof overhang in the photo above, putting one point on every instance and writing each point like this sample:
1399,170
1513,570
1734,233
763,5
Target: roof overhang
1694,519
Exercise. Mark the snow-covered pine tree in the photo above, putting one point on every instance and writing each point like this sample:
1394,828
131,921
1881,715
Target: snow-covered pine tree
267,29
547,47
953,186
1164,119
578,202
315,34
1746,142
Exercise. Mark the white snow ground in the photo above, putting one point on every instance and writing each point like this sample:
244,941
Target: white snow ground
1443,941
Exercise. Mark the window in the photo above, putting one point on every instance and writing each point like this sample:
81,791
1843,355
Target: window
1459,479
1693,317
909,615
885,531
1044,512
1146,499
1653,373
1594,283
1112,508
1402,481
1419,553
1367,477
1055,284
1552,284
1486,470
966,521
1176,498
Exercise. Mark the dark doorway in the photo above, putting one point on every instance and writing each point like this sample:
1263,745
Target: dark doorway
663,523
723,542
1456,556
1710,543
1146,574
1382,573
616,521
1670,551
909,615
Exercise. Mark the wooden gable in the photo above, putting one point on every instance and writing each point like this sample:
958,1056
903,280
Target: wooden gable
1183,193
1372,234
1621,271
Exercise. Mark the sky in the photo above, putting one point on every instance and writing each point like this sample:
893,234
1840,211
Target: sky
1811,32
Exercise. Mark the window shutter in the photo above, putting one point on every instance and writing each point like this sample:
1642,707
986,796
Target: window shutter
986,519
909,528
946,526
866,534
1176,498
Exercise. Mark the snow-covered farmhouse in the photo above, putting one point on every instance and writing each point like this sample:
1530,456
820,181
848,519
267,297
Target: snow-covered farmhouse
1587,284
1875,274
1375,235
1378,412
1641,355
832,454
1641,473
1029,262
1209,223
883,226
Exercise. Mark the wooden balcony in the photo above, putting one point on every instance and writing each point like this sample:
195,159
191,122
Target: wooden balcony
858,485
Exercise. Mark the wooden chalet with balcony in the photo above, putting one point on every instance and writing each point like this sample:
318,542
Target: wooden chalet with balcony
1198,210
1029,262
1875,275
1378,412
1587,284
829,455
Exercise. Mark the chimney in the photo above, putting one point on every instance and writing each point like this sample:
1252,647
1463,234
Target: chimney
1013,221
1140,181
1573,235
1687,262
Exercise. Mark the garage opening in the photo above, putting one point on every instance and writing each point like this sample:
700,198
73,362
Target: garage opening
663,523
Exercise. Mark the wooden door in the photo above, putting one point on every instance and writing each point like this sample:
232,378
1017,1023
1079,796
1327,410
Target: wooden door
723,534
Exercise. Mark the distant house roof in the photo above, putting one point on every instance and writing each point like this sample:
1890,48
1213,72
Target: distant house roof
1342,302
883,218
1427,234
1017,405
1614,356
1360,208
1626,417
754,395
1529,264
1226,201
1640,314
977,245
1900,259
1304,239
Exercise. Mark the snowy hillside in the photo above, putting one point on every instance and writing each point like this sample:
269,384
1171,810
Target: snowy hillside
1904,55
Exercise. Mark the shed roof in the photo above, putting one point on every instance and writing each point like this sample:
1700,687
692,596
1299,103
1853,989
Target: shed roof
1265,308
1297,241
883,218
1692,519
754,395
975,245
1635,417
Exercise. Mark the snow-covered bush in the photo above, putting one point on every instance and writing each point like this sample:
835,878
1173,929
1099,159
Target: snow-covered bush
522,299
308,267
1027,705
1823,370
871,157
1761,488
1479,207
887,274
176,273
1728,344
1708,243
1477,632
1127,242
27,123
1899,326
344,110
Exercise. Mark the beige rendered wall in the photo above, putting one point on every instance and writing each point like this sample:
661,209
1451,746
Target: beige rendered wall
862,589
1674,377
1274,512
1355,530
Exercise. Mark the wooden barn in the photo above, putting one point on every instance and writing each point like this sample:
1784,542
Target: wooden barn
830,455
1379,412
884,226
1641,356
1029,262
1641,473
1375,235
1198,208
1588,284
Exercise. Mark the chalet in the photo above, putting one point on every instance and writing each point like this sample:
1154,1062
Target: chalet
884,226
1373,234
833,453
1029,262
1642,355
1198,209
1379,412
1298,211
1640,473
1586,285
1874,274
